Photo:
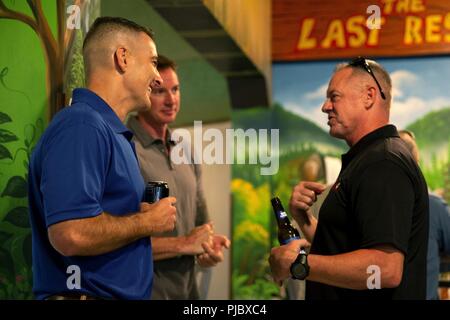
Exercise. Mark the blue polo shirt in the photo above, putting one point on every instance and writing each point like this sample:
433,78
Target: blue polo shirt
83,165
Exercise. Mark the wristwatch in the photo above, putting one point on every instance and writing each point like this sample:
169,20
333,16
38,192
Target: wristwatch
300,268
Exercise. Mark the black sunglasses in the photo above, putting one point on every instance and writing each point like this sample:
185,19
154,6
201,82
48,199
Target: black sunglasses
362,62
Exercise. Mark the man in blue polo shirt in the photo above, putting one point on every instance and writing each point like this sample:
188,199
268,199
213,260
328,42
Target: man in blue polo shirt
91,233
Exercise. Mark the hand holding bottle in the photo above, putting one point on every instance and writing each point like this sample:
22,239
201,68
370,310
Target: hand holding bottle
281,258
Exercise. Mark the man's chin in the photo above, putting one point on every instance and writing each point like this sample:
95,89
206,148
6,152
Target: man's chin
335,133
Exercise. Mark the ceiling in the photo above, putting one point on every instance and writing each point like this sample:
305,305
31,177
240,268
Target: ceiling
195,23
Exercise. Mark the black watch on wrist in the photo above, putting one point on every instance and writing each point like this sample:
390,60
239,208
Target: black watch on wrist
300,268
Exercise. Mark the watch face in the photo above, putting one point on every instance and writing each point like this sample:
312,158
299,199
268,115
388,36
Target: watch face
298,271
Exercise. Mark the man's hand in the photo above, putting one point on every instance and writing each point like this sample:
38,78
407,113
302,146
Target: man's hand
303,197
282,257
198,236
160,216
213,253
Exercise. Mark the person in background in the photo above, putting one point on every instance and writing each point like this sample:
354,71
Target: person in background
89,227
193,239
439,226
370,241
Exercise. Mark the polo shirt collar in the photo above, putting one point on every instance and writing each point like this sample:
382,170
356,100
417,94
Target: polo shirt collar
98,104
144,138
384,132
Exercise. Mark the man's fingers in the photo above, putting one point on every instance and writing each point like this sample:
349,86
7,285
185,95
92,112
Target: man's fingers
301,205
205,261
317,187
305,199
222,241
215,256
170,200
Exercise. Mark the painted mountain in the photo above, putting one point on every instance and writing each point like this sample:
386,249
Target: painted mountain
433,138
295,131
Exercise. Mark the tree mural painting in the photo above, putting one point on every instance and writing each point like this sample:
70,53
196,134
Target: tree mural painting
55,49
63,70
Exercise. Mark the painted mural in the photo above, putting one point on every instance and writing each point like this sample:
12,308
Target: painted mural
39,66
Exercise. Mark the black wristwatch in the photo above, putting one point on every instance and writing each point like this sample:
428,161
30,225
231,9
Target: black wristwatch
299,268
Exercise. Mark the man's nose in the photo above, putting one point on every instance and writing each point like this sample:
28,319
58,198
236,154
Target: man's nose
327,106
170,98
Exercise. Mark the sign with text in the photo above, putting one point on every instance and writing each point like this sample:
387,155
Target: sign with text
314,30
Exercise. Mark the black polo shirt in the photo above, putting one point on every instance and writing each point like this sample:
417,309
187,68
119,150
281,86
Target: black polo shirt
380,197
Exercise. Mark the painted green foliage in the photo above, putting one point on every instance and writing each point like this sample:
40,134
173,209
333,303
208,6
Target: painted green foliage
254,232
29,73
23,110
432,134
15,235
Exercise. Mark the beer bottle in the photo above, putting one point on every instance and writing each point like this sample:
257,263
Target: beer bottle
286,232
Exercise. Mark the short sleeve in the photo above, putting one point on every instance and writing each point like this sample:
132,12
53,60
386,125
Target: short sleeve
73,173
383,206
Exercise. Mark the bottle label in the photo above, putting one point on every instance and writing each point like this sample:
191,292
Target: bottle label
283,214
286,241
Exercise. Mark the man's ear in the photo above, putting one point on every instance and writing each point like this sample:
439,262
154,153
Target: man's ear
370,97
121,58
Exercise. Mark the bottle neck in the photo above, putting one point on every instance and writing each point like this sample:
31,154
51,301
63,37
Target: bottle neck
281,217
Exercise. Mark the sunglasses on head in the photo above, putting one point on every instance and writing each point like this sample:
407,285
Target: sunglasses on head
362,62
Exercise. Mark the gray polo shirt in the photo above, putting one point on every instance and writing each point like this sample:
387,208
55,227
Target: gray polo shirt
174,278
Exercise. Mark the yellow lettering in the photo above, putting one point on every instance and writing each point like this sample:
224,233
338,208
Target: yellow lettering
417,6
335,34
413,25
356,27
373,37
433,28
447,27
388,6
305,42
402,6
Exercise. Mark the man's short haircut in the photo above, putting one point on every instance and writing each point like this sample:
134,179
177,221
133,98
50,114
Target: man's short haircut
105,25
166,63
381,74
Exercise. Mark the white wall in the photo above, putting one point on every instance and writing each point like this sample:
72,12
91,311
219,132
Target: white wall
216,184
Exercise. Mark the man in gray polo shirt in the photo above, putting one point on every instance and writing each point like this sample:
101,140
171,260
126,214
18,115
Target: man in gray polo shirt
193,239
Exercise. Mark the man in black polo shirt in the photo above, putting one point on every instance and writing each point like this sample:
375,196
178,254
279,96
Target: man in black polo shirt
371,237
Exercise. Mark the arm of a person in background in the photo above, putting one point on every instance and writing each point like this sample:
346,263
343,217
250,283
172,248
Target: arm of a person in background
213,253
106,232
303,197
169,247
347,270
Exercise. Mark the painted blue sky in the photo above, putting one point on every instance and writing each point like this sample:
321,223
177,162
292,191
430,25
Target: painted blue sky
420,85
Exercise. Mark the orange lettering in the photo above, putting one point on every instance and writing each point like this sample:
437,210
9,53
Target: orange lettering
433,28
413,25
417,6
447,27
374,34
335,34
402,6
355,27
388,6
305,42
